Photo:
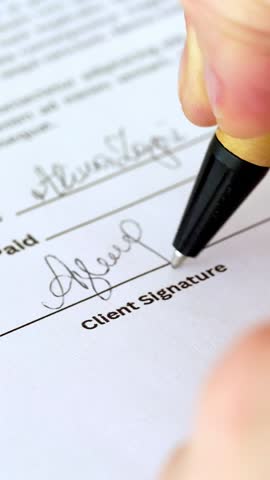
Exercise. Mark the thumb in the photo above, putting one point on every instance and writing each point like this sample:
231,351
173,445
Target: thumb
226,65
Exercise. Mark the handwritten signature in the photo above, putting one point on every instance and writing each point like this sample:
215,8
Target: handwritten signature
119,153
64,277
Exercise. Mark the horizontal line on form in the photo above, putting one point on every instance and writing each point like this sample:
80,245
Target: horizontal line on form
239,232
114,287
179,148
123,208
224,239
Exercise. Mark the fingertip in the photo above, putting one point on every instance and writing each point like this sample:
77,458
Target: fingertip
243,125
235,50
192,90
198,113
238,88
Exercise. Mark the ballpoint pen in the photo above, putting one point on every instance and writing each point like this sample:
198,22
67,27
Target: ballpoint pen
232,168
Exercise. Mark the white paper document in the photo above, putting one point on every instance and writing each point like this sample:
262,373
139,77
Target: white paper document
103,345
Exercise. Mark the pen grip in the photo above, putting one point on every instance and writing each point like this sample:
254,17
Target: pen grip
254,150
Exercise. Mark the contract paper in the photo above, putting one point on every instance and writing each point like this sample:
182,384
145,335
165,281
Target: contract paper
103,345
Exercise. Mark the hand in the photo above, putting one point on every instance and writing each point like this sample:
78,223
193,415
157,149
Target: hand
225,79
231,439
225,75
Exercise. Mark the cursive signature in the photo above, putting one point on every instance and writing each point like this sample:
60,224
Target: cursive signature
96,280
119,153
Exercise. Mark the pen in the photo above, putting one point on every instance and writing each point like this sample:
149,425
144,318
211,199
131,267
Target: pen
231,169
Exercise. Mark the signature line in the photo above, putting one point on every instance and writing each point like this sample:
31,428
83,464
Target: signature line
178,148
124,207
114,287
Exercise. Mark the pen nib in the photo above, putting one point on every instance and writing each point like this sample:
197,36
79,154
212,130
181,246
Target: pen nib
177,259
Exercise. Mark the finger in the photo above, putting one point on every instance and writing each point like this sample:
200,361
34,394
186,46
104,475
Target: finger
231,440
192,89
232,435
175,469
234,38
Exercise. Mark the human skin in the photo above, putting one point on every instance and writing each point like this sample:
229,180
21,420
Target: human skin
231,435
225,79
225,73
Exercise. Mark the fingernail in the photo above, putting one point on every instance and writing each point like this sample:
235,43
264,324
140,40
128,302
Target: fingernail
215,91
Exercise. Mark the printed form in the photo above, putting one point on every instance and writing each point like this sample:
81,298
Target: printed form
103,345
